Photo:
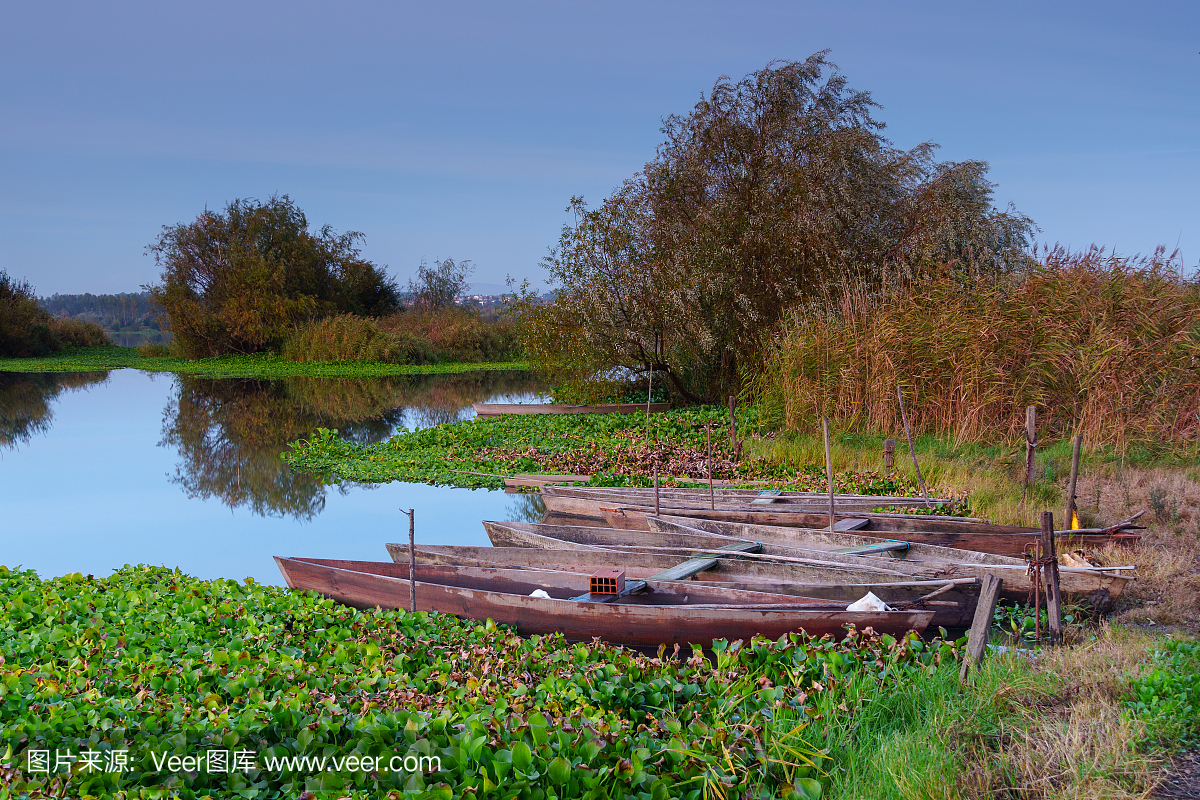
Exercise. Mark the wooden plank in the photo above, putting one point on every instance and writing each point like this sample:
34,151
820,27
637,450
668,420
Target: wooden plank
872,549
851,524
704,561
982,623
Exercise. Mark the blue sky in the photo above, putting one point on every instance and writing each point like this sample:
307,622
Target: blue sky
462,129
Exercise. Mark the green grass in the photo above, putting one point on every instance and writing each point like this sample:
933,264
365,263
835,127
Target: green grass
234,366
157,663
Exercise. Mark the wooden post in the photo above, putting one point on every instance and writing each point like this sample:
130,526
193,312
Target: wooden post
981,623
649,394
656,491
1072,520
1050,572
712,501
1030,444
912,450
733,426
889,454
412,561
828,470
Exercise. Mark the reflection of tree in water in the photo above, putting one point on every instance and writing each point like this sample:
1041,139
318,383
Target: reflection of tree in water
25,401
526,508
230,433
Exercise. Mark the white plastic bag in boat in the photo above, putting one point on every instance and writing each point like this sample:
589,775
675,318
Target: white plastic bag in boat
540,593
869,602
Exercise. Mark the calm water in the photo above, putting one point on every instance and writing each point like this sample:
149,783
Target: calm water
100,469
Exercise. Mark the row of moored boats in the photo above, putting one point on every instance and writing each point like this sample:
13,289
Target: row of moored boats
687,566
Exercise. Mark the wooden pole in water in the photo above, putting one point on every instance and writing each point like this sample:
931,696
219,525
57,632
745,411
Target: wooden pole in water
412,561
649,394
1030,444
1050,568
656,491
912,450
828,470
733,443
1072,520
712,500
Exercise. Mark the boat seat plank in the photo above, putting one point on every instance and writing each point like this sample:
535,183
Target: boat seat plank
703,561
851,524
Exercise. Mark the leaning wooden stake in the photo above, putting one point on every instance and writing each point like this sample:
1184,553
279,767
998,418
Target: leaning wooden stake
1072,520
412,561
1050,573
828,470
912,450
981,624
1030,444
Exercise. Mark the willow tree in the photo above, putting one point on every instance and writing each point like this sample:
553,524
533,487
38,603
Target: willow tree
774,192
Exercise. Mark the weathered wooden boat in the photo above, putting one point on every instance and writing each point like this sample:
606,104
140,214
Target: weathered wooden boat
866,559
660,612
684,544
1006,540
496,409
601,507
736,495
1100,585
951,600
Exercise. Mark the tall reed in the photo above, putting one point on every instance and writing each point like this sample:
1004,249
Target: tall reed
1104,345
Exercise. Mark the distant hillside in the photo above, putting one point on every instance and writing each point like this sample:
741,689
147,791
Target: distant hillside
126,312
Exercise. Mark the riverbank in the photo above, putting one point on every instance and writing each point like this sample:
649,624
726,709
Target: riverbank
158,664
261,365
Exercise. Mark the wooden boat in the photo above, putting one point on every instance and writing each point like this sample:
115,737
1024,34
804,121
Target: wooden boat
1099,585
870,559
684,544
664,612
496,409
727,494
601,509
1006,540
953,603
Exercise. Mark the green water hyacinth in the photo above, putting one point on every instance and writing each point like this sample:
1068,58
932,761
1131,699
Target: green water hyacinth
617,449
125,686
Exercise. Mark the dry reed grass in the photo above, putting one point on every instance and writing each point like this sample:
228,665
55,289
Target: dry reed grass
1066,733
1100,344
457,334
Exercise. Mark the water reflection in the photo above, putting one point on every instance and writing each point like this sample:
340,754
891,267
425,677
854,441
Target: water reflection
25,400
230,433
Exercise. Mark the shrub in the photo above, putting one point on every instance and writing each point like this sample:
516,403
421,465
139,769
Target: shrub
457,334
27,330
350,338
77,333
239,281
1100,344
